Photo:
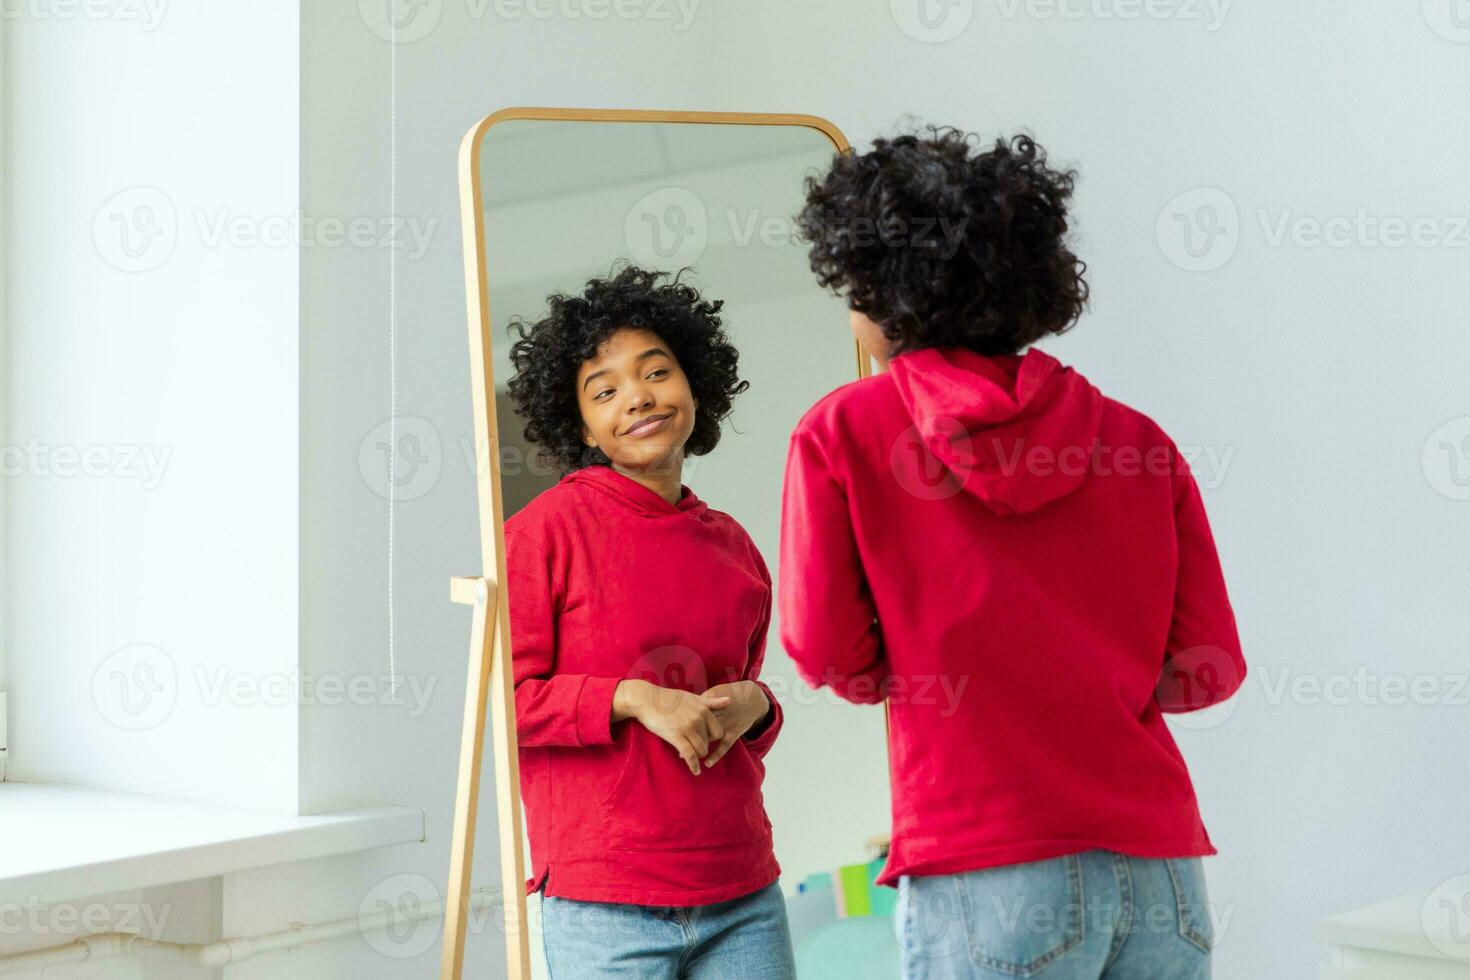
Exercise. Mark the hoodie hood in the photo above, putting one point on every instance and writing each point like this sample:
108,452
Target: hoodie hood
1016,431
635,496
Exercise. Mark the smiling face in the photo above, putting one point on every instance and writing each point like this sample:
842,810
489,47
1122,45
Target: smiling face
635,401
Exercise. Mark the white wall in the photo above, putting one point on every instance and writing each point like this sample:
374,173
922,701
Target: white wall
151,399
1325,370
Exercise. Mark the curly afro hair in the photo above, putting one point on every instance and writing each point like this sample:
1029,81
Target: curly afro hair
550,352
945,246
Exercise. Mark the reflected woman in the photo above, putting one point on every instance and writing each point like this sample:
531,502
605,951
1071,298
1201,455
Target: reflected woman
638,622
1019,565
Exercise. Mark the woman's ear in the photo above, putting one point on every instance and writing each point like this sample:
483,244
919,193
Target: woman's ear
587,437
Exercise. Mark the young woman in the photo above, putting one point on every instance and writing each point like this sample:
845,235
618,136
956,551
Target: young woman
638,625
1020,565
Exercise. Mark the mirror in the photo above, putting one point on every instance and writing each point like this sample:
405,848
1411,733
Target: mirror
553,199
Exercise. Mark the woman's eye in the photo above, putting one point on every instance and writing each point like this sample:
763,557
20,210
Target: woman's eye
605,391
658,372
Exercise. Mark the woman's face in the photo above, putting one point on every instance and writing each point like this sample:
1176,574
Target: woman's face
635,401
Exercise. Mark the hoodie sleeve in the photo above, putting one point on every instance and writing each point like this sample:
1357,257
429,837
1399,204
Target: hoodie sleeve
551,708
828,620
760,738
1203,664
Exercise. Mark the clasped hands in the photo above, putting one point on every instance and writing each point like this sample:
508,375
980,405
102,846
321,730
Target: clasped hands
700,727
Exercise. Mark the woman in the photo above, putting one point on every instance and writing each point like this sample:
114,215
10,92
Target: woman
638,625
1019,565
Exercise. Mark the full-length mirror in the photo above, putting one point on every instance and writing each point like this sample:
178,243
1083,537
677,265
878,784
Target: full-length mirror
651,332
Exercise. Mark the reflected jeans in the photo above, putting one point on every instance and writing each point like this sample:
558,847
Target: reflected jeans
1097,915
743,939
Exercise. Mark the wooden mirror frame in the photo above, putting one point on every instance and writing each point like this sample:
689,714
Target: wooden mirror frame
491,681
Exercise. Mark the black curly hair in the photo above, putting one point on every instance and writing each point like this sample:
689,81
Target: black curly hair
550,352
943,245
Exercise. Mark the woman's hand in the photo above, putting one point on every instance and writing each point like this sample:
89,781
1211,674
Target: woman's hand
746,705
688,722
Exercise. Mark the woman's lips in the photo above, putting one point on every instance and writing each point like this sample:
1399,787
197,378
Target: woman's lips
648,426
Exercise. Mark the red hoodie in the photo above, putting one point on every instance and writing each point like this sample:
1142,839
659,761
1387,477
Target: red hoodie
1009,558
606,580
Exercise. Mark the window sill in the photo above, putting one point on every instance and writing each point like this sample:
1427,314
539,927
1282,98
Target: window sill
1398,927
67,842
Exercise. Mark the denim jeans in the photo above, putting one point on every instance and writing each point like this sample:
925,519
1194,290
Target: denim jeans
1096,915
743,939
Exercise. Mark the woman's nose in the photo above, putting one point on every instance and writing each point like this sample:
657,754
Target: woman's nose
639,397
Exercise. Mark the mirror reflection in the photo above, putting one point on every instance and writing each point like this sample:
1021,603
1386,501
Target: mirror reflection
658,334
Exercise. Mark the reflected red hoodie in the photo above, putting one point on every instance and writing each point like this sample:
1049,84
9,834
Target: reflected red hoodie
606,580
1022,568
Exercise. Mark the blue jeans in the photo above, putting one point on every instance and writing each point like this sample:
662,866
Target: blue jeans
746,938
1097,915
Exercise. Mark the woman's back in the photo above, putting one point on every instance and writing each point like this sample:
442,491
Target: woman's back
1010,558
